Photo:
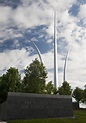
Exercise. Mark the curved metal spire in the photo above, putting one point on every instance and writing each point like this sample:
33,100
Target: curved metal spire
65,67
65,64
38,51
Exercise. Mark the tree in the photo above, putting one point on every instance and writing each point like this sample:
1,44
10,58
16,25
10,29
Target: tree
3,89
84,95
85,86
35,77
55,91
13,79
65,89
49,88
78,94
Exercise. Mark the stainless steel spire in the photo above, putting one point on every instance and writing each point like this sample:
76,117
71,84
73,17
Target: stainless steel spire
38,51
64,75
55,53
65,64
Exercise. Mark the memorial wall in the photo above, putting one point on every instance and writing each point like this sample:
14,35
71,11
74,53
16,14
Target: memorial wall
29,106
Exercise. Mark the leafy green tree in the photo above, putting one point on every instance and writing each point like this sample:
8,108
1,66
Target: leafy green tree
84,95
65,89
9,82
49,88
78,94
35,77
55,91
3,89
13,79
85,86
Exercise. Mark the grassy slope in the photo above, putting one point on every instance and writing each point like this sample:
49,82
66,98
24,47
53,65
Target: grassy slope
80,117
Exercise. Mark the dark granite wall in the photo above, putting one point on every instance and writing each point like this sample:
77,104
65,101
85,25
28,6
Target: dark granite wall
28,106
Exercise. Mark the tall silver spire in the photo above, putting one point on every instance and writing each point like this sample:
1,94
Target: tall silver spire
38,51
64,75
55,52
65,64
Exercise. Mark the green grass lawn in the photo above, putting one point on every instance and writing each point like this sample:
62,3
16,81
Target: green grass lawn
80,117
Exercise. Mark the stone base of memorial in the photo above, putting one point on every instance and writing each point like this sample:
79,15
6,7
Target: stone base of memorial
29,106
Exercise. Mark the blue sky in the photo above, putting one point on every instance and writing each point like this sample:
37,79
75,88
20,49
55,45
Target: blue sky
23,21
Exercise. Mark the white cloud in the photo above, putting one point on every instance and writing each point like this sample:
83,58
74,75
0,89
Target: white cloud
48,60
31,16
13,58
61,5
5,14
82,13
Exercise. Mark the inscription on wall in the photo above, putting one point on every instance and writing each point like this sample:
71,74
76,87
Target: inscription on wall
27,106
40,105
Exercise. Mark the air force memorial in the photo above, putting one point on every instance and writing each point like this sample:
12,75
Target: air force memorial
29,106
